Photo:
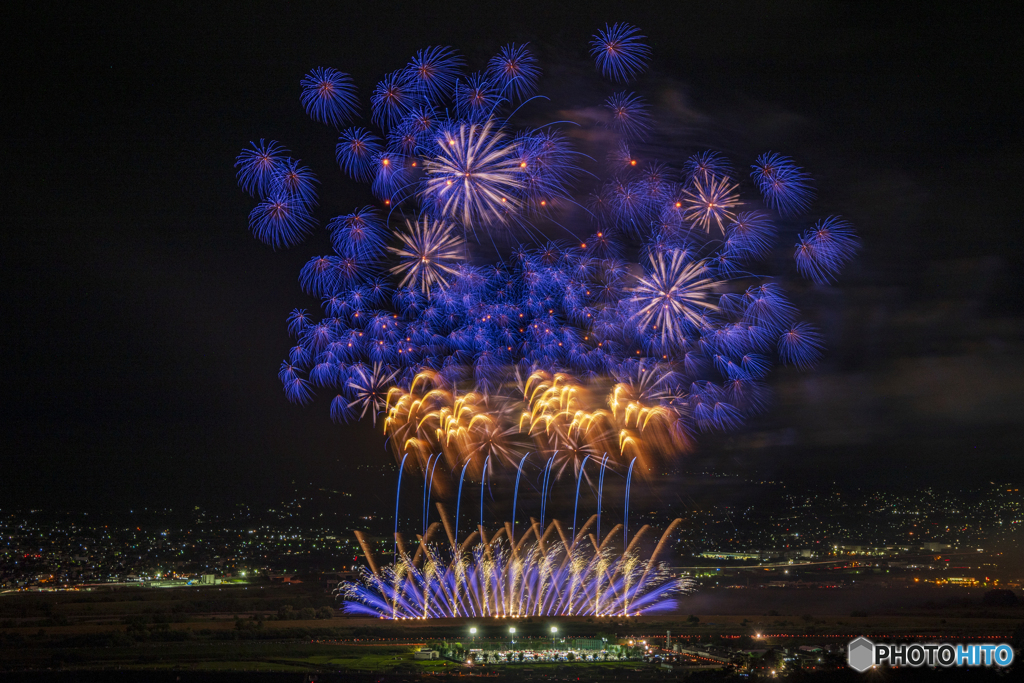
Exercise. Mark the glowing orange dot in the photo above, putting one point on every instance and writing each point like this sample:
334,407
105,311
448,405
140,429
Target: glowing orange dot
583,245
414,164
632,162
386,162
543,203
678,204
522,164
387,202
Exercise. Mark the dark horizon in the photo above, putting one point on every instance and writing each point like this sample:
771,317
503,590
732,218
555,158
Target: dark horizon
144,325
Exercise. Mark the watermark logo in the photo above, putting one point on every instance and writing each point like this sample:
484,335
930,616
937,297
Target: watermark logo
862,654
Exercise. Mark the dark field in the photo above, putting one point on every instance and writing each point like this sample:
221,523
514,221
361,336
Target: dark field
263,630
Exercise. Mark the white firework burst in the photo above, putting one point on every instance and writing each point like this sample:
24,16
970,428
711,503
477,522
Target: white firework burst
428,253
368,388
673,291
474,177
710,199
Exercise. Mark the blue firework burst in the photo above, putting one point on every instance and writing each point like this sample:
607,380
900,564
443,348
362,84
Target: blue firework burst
361,234
800,345
752,232
704,166
355,151
630,114
825,248
620,52
281,221
319,276
294,180
476,98
297,390
784,185
329,96
545,165
515,71
433,71
391,175
392,99
257,166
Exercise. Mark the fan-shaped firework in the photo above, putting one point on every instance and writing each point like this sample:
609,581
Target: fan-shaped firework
490,314
496,578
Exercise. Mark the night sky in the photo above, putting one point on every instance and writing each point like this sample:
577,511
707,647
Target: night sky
143,326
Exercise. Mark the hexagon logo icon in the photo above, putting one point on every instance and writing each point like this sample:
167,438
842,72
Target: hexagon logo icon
860,654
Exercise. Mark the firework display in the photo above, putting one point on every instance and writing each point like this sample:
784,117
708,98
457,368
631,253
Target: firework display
510,293
502,576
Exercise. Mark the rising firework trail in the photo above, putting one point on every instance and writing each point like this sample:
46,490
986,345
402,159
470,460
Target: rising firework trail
576,503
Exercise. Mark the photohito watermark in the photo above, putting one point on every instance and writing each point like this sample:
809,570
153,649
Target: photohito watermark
862,654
